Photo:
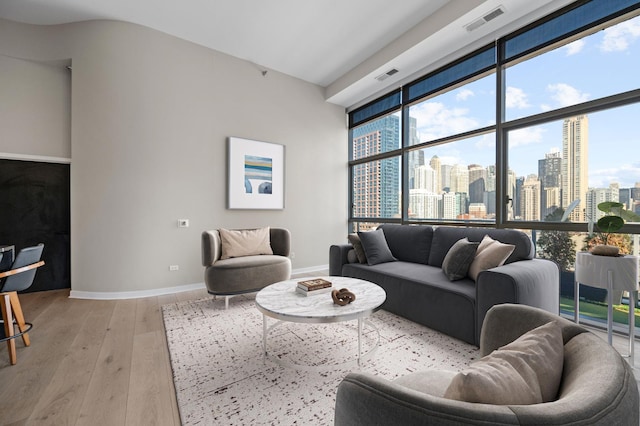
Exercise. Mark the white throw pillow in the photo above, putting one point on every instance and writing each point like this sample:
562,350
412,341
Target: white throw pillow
490,253
246,242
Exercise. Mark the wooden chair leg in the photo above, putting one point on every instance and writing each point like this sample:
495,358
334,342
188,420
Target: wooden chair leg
7,317
17,312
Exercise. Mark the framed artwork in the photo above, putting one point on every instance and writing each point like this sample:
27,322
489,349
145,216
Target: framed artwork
255,175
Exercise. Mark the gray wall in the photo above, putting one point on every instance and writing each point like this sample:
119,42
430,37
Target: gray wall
150,117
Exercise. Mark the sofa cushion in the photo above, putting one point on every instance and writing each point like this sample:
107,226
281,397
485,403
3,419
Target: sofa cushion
526,371
457,261
357,246
375,247
410,243
245,242
490,253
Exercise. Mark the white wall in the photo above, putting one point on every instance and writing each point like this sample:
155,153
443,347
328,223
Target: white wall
150,117
35,108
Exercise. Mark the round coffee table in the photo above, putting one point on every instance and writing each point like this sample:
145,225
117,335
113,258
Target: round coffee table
282,302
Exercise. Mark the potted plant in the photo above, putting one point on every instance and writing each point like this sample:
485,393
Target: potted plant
613,220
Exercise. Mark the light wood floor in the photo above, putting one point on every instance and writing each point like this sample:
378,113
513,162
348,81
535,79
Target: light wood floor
97,363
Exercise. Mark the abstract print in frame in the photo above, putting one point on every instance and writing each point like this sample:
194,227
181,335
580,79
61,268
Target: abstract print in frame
255,174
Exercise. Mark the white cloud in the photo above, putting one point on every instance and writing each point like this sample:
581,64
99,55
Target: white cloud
625,174
516,98
487,141
435,120
525,136
619,37
464,94
566,95
574,47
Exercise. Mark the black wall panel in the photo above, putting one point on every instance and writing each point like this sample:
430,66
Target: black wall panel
35,208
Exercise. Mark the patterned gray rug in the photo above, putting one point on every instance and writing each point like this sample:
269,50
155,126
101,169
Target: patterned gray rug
222,378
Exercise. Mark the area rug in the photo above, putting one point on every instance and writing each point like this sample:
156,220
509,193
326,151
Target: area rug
222,377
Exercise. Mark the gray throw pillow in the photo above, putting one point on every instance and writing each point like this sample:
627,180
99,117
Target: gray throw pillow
357,247
526,371
458,259
376,247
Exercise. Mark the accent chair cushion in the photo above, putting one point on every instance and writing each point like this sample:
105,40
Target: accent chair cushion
526,371
458,259
357,246
490,253
245,242
375,247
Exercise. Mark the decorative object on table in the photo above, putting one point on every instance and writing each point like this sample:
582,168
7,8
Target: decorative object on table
613,220
314,286
255,175
342,297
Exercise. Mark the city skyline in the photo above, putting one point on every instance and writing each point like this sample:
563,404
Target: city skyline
570,74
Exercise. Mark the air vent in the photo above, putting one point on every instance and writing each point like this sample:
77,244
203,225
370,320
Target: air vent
389,73
486,18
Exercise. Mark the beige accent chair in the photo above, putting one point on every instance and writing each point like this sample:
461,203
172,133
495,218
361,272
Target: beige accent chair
246,274
597,385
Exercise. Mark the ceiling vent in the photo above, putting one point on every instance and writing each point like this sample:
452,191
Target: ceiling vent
486,18
389,73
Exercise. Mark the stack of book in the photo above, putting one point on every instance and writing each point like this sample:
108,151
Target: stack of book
314,286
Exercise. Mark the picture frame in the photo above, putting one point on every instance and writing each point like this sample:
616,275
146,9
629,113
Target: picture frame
255,174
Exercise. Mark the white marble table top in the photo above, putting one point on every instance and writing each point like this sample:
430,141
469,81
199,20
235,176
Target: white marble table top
281,301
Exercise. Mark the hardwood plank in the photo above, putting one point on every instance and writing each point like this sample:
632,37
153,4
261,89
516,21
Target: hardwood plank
105,400
148,315
61,401
149,398
51,337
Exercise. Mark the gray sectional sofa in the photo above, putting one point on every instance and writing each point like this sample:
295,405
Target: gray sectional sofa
418,289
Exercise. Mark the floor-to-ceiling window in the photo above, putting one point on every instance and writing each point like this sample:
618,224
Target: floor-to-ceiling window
531,132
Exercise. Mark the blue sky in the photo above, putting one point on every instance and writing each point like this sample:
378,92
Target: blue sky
602,64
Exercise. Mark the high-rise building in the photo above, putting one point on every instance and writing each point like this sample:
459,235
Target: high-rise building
415,158
459,179
530,198
550,175
445,173
477,183
425,178
450,205
575,157
376,184
437,168
596,196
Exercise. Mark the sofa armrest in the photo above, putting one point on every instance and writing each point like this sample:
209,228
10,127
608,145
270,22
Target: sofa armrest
534,282
365,399
280,239
505,323
210,247
337,258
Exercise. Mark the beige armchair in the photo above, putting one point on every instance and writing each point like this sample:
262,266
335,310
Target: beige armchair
246,274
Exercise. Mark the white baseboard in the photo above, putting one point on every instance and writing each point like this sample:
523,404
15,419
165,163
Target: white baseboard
319,268
116,295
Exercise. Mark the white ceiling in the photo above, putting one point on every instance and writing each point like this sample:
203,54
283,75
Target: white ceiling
341,45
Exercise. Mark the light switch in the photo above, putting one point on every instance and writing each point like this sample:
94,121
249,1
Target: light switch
183,223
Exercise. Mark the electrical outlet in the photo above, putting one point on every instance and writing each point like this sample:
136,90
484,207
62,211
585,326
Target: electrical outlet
173,267
292,255
183,223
